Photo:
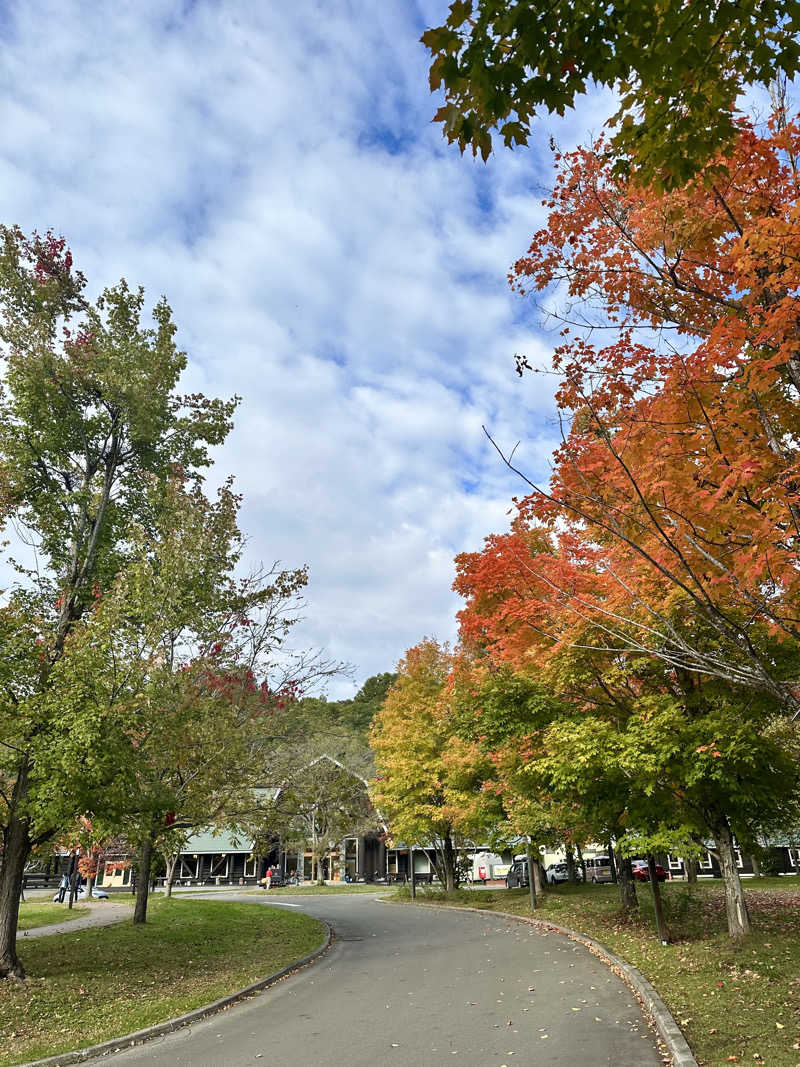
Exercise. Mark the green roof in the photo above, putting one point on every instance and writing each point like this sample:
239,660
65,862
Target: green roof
212,840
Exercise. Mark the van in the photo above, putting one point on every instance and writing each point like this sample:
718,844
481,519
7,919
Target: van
598,869
517,875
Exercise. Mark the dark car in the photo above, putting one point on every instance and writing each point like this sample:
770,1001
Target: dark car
517,875
641,872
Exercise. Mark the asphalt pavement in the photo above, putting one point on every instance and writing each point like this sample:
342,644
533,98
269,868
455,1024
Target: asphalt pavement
422,987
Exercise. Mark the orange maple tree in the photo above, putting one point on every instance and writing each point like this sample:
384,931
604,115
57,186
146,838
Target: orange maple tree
671,525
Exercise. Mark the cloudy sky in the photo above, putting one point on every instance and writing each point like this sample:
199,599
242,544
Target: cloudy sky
271,167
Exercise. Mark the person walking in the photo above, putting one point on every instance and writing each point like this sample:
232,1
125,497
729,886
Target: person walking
268,878
63,886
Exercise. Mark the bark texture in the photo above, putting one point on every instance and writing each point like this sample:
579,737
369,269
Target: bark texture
143,881
735,904
661,926
16,849
627,885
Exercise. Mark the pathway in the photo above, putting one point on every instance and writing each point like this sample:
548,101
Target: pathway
101,913
421,987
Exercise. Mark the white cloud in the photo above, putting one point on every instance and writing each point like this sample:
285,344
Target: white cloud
273,170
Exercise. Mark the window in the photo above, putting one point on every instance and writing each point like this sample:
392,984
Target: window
794,856
675,862
706,862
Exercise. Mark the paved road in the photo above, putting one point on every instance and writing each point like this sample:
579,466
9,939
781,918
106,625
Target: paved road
418,988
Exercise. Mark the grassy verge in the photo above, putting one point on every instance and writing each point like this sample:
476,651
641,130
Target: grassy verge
735,1002
33,913
95,984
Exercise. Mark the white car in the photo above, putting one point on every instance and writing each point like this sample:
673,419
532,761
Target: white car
97,894
558,872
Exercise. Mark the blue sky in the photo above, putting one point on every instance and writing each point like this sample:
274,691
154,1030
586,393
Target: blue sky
272,169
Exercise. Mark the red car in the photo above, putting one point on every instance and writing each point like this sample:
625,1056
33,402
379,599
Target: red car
641,872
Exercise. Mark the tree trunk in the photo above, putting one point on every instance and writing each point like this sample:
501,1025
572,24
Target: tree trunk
572,873
691,871
15,856
171,864
531,876
756,866
657,907
612,862
735,905
73,876
538,880
582,862
627,885
143,880
449,865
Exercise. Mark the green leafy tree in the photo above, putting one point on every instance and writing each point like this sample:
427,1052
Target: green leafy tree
90,428
678,67
191,675
428,782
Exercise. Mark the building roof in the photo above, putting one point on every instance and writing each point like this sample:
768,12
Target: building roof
212,840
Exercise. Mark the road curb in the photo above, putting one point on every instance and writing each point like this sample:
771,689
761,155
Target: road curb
663,1020
139,1037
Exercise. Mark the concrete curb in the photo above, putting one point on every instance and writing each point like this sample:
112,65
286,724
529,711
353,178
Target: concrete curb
116,1044
668,1030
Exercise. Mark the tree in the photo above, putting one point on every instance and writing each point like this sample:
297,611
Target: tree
653,757
365,705
505,713
679,69
428,783
90,427
317,807
676,475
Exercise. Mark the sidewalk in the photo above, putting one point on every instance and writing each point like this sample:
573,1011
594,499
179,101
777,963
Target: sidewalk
102,913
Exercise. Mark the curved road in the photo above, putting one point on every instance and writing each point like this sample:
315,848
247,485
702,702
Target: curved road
420,987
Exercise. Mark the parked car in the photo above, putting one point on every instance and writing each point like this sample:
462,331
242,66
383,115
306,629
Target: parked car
517,875
97,894
598,869
641,871
559,872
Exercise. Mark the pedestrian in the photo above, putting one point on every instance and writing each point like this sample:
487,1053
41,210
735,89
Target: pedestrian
268,878
63,886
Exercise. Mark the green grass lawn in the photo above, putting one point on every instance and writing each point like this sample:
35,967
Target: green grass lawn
735,1002
95,984
33,913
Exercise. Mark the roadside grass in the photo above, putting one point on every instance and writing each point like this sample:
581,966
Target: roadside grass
33,913
734,1001
96,984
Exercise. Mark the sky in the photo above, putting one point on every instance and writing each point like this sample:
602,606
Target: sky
273,170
